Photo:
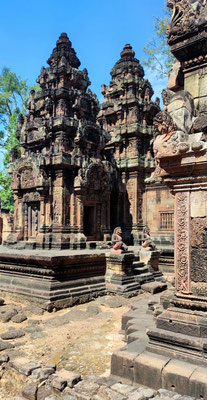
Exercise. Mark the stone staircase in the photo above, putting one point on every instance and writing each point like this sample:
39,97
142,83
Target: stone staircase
141,272
144,273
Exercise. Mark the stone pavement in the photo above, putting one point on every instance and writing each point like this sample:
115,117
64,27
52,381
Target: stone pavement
44,382
93,388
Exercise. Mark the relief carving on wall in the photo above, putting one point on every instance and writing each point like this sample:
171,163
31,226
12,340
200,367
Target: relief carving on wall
96,176
56,212
27,178
182,242
34,196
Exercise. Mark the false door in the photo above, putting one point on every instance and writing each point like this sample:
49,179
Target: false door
33,219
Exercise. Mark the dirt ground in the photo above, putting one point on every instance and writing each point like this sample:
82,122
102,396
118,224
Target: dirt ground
81,338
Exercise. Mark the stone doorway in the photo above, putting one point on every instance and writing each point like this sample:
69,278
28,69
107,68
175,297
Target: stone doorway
33,219
89,222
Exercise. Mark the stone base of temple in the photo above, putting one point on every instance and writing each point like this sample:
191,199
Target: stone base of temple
52,280
174,358
48,238
62,278
156,371
122,285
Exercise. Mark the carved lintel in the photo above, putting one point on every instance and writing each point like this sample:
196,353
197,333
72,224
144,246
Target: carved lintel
182,242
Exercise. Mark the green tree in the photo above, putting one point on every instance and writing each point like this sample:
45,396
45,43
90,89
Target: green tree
158,55
13,96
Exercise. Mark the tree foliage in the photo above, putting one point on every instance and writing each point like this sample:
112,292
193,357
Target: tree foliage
13,96
158,55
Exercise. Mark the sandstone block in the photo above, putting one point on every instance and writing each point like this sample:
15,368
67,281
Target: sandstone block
122,388
107,393
198,383
23,366
59,383
154,287
148,393
175,376
30,391
148,369
86,387
71,377
122,364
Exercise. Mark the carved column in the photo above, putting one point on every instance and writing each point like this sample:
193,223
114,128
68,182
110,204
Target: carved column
42,211
73,211
20,215
25,221
16,210
80,212
182,242
58,211
124,180
134,186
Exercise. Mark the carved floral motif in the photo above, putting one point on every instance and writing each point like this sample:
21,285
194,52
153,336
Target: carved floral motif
187,16
182,242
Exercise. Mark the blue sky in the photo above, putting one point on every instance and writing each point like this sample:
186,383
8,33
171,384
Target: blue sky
97,29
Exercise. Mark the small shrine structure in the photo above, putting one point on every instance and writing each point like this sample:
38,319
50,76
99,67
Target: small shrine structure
62,181
127,115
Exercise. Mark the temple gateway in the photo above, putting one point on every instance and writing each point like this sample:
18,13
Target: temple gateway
83,167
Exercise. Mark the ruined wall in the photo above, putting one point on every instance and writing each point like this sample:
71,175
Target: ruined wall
6,225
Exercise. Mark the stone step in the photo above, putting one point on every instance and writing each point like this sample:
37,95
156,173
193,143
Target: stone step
126,317
138,264
154,287
146,277
155,371
133,336
136,258
122,361
142,270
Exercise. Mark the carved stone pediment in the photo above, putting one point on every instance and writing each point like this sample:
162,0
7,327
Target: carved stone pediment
27,178
97,176
28,175
188,16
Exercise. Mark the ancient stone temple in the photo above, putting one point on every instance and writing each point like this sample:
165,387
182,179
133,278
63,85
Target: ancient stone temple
82,167
127,115
61,181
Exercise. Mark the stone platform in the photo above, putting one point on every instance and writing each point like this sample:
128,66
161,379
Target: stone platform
52,278
139,363
62,278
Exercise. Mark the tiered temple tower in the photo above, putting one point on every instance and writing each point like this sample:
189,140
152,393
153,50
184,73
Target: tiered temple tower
61,181
127,115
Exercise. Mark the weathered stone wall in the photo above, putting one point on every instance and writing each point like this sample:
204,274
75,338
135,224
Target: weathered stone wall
6,224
